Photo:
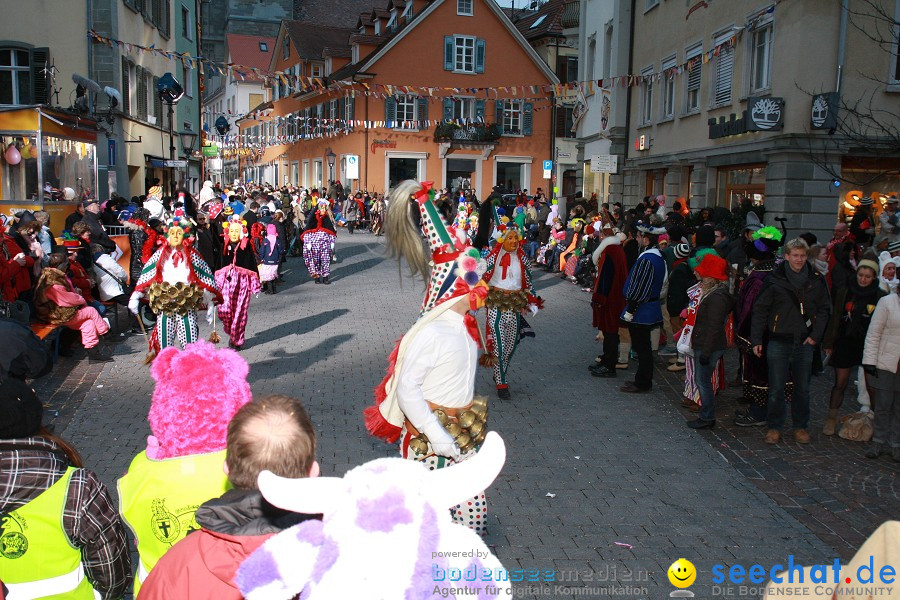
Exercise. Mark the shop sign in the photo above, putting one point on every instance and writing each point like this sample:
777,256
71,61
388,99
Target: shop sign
382,144
351,166
211,150
825,110
765,114
722,128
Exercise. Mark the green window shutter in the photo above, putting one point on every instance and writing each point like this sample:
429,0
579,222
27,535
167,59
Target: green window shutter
479,55
499,105
390,111
448,109
527,110
126,88
422,111
479,110
340,115
351,112
39,61
449,52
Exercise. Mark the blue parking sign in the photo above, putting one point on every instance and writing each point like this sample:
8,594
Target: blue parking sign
548,165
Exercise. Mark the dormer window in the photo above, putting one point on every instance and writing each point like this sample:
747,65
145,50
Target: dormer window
377,26
392,22
263,47
362,29
465,7
408,11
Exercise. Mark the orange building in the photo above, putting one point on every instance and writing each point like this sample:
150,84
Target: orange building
441,90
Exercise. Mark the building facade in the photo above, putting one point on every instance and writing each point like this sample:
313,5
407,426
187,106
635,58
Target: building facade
786,105
381,122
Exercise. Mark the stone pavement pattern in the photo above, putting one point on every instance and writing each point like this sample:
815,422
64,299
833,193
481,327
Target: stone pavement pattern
587,467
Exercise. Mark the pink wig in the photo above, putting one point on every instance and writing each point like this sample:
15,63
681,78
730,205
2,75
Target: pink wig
198,390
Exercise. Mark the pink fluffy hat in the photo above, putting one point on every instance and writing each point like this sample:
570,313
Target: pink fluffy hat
197,392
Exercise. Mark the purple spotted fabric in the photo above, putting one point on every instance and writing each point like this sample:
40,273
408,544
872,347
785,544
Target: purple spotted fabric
383,513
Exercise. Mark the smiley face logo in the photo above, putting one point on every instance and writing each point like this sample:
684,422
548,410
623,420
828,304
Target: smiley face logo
682,573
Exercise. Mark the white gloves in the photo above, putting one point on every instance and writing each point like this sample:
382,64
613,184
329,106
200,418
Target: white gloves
441,442
134,302
628,317
533,308
210,312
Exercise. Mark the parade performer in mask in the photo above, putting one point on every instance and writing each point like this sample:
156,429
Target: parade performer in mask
177,281
427,400
238,280
318,241
511,294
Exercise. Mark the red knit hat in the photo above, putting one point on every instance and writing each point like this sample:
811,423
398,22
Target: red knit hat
713,266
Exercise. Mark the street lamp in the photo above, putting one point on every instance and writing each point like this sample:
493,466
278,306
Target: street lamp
330,156
170,92
188,138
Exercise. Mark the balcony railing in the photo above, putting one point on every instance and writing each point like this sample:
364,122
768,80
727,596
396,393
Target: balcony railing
472,132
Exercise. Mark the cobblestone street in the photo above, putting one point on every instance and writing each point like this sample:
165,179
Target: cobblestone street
595,480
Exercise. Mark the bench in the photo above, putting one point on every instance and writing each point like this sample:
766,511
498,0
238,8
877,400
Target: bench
46,331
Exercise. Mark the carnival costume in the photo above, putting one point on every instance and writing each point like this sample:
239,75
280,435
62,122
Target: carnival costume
380,524
238,280
427,400
177,281
511,293
197,392
318,241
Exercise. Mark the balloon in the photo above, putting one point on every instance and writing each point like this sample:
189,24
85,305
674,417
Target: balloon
33,151
12,155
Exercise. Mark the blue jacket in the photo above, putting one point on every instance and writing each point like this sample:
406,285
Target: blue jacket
643,287
269,255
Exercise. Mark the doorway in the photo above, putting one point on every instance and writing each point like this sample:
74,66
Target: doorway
511,177
461,173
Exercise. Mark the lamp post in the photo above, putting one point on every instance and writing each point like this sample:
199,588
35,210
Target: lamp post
170,92
188,139
330,156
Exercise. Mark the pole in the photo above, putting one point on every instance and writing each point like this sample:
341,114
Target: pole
172,147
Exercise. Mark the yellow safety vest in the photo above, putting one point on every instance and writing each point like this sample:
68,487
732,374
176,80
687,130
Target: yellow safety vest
37,559
158,499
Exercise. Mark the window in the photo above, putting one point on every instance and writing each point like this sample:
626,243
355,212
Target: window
315,70
724,69
408,11
465,7
647,96
668,100
464,54
538,21
564,121
694,67
263,47
15,76
463,109
187,78
567,68
761,57
186,23
894,75
648,4
349,105
512,117
406,111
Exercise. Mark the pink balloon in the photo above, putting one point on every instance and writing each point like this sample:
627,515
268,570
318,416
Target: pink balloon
13,156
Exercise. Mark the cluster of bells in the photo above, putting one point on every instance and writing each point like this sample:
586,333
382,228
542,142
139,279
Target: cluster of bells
467,430
175,298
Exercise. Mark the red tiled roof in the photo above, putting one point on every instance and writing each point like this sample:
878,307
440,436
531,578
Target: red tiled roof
245,50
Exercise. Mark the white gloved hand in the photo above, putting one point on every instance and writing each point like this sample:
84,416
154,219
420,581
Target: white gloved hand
440,440
134,303
210,312
628,317
533,308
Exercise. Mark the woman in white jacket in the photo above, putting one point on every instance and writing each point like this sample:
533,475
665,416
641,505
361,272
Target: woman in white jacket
881,359
113,279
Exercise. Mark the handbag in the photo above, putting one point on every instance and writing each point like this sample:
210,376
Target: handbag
684,340
121,283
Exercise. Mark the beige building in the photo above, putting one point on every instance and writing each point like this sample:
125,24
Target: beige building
730,109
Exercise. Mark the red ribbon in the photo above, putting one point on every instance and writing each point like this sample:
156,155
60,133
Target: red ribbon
476,293
472,327
422,195
504,262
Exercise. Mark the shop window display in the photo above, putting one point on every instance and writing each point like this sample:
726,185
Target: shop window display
19,173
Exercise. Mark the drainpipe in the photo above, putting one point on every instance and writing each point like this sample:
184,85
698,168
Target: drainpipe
553,117
628,97
842,44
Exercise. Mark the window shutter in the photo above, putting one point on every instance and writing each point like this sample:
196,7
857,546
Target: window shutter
422,111
390,111
126,88
526,118
499,105
341,122
167,18
351,112
560,121
41,91
479,55
479,111
142,94
695,73
724,69
448,109
157,102
449,51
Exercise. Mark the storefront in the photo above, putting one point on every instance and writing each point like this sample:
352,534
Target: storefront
737,184
49,162
873,177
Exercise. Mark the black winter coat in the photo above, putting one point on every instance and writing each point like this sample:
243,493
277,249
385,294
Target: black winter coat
777,309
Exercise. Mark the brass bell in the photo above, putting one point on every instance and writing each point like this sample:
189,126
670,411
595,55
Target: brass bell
476,428
465,442
441,416
480,437
418,445
179,286
466,419
453,429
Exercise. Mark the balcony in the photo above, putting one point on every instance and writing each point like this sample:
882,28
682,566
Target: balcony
472,133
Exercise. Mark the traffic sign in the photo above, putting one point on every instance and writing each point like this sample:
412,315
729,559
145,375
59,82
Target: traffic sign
604,163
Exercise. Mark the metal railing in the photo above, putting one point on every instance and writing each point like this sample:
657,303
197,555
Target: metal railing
471,132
